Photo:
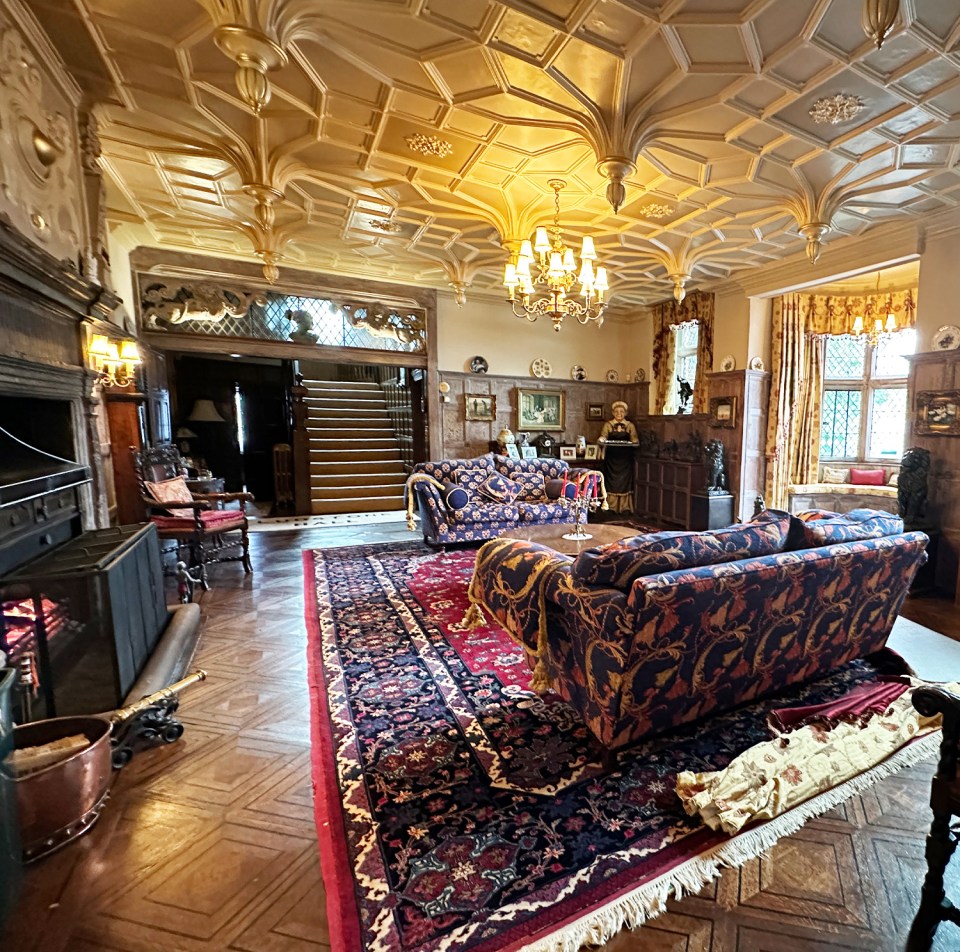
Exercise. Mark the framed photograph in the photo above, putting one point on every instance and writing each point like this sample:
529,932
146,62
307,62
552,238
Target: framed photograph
593,451
480,406
938,413
723,411
595,411
568,453
513,451
539,409
528,452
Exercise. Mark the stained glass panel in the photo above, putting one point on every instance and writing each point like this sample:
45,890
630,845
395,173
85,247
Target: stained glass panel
888,415
840,424
845,358
890,354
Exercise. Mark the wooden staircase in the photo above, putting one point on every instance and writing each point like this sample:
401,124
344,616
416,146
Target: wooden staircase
355,460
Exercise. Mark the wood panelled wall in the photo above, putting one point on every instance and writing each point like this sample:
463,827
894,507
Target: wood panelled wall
940,371
462,437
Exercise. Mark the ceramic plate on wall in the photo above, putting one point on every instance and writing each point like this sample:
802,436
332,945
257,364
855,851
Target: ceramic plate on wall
577,373
728,363
541,368
756,363
947,338
640,375
478,365
613,376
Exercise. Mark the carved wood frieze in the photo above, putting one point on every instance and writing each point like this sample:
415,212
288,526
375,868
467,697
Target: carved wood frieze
40,179
163,303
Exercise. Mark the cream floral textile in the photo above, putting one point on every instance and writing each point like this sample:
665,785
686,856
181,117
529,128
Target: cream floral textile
777,775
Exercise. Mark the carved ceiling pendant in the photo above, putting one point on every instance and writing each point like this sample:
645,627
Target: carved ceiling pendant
835,109
429,145
383,224
878,18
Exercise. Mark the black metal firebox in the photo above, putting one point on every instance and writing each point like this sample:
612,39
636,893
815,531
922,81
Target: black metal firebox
90,613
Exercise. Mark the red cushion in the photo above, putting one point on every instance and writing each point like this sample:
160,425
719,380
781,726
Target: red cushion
215,520
867,477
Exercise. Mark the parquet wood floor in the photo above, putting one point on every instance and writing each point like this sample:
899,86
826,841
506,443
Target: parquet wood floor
209,844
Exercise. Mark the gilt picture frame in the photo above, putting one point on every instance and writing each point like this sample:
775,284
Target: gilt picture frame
480,406
595,411
937,413
540,409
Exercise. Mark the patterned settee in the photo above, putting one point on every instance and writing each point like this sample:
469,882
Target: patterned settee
482,518
659,630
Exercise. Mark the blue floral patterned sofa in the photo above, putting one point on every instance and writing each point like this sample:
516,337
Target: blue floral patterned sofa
662,629
451,496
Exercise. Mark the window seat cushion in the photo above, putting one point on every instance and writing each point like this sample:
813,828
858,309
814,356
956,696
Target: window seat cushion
844,489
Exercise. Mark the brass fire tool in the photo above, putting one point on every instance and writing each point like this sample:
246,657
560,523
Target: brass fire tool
148,721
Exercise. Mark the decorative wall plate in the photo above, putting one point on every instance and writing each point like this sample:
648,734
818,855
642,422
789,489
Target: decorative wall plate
728,363
640,376
756,363
478,365
541,368
613,376
577,373
947,338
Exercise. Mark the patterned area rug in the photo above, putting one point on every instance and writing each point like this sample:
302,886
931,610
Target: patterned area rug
456,810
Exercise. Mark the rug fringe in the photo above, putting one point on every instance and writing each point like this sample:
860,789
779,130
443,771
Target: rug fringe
649,900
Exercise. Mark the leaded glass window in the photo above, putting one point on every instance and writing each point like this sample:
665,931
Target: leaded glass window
864,409
688,339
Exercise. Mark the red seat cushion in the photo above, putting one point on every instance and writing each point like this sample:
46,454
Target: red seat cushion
214,520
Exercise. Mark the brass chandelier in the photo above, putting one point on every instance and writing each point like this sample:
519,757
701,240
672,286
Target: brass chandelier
556,274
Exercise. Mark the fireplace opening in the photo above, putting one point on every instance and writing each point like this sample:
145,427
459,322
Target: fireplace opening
45,424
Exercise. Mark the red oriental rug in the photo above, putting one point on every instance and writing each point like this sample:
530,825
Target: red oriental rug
458,811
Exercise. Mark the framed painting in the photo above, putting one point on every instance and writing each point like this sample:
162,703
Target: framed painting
540,409
569,453
938,413
529,452
723,411
595,411
481,406
592,452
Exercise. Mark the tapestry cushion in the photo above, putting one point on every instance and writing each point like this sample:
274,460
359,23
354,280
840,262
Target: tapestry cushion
832,475
826,528
498,488
484,513
894,479
866,477
454,495
556,488
214,520
618,564
532,487
169,490
472,478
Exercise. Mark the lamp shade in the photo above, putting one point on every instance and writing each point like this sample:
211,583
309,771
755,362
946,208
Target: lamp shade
205,412
185,433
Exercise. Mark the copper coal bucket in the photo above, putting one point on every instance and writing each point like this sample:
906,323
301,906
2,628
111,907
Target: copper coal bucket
59,802
62,800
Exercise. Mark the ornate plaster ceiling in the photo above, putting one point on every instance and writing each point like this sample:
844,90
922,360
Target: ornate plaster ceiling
411,139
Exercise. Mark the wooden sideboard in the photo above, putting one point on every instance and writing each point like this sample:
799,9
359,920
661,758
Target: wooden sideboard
669,492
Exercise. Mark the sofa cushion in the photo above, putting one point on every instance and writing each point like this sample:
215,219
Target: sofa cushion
556,488
472,478
444,469
454,495
548,467
821,527
541,512
866,477
497,488
532,487
618,564
482,512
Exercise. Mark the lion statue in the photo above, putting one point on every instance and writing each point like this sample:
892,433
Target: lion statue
912,485
716,471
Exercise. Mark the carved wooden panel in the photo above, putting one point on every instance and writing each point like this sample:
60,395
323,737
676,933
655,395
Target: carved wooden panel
41,182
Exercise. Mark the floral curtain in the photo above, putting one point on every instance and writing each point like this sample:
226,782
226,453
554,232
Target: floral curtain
801,323
696,306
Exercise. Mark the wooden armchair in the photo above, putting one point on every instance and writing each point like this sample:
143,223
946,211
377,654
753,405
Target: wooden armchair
943,836
202,523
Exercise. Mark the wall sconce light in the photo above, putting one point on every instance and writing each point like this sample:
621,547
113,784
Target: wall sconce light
115,363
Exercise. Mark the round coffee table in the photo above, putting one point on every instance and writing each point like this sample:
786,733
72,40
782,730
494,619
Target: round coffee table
552,535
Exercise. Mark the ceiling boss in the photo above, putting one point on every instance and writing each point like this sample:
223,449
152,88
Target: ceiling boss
548,265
